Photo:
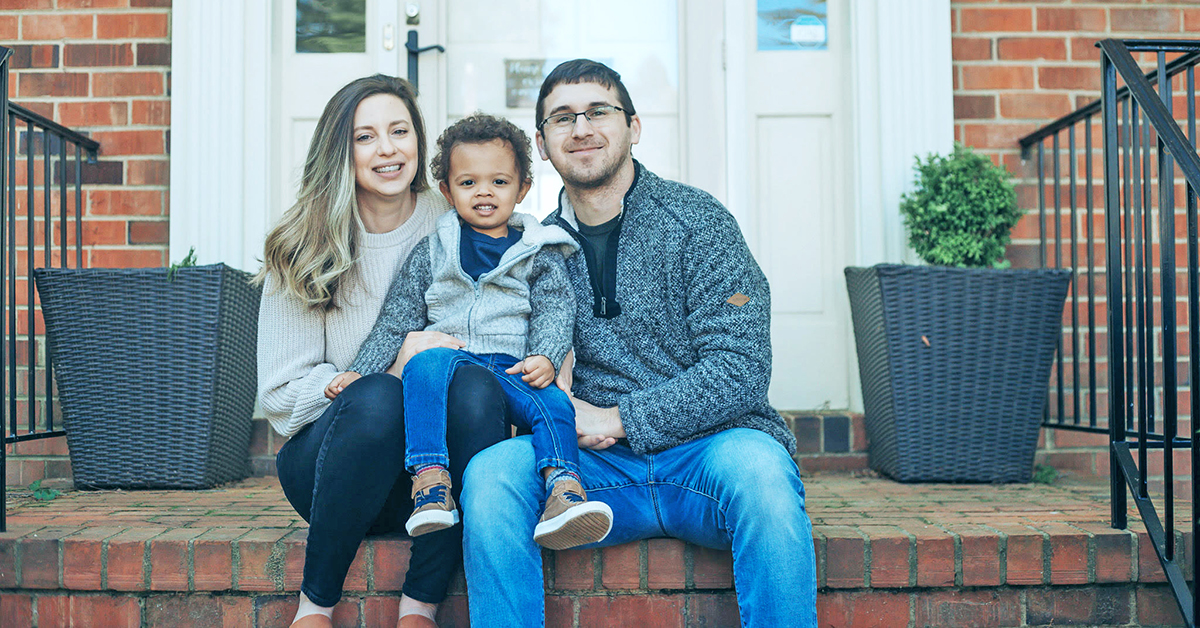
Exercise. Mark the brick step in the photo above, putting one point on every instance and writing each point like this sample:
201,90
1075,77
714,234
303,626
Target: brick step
1145,605
887,554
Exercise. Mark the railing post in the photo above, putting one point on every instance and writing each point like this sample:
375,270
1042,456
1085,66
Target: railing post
1116,322
5,208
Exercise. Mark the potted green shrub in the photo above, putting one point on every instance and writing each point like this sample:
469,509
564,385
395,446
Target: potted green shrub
955,357
156,372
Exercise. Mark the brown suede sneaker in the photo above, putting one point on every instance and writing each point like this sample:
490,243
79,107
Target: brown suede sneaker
570,520
433,507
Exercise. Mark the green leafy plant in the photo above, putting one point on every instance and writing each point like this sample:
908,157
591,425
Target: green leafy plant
188,260
961,210
1044,474
43,494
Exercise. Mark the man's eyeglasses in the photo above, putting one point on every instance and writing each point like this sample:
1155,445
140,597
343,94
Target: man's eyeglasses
564,121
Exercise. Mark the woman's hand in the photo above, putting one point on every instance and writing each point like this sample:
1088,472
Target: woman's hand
565,378
339,383
418,341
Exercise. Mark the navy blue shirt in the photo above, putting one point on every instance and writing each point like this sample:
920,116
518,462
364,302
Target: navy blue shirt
480,253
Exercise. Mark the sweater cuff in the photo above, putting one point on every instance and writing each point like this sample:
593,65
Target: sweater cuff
637,432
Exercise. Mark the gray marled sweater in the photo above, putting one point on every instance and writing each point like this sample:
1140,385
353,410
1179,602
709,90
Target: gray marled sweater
522,307
686,357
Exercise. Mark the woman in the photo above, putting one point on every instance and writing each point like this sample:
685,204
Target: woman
364,203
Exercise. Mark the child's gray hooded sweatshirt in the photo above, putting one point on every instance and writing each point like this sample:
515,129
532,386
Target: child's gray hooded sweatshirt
523,307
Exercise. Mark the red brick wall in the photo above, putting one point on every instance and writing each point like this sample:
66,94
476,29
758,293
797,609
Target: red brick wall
101,67
1019,65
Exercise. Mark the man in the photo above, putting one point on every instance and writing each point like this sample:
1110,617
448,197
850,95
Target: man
672,362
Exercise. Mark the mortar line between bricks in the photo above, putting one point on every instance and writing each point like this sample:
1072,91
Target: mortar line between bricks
821,560
597,569
62,549
912,610
370,558
912,556
689,564
866,557
1092,553
1002,555
18,554
1134,555
191,565
1047,555
147,564
235,565
644,564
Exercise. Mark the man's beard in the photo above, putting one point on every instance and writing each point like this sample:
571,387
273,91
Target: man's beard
601,178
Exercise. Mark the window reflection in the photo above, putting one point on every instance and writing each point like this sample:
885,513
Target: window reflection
331,25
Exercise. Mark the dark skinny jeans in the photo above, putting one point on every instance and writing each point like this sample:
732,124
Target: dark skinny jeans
344,474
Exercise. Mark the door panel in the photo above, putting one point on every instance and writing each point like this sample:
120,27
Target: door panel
796,120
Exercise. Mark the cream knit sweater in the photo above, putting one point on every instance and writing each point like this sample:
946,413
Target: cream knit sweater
301,350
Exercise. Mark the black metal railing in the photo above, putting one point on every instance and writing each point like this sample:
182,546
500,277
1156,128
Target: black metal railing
33,154
1132,279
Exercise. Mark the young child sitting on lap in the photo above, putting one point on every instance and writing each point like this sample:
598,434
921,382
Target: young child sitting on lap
498,281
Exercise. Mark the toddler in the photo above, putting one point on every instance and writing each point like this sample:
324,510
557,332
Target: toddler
498,281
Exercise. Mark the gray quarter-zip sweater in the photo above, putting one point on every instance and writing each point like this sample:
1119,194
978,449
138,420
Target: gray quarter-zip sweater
688,351
523,307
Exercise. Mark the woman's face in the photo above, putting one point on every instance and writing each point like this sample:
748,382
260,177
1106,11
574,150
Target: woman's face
385,149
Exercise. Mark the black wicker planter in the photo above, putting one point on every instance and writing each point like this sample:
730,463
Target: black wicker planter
156,378
955,366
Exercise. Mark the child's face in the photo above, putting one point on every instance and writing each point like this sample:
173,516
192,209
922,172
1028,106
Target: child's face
484,185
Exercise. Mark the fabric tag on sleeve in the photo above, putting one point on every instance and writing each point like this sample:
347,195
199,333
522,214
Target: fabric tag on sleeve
738,299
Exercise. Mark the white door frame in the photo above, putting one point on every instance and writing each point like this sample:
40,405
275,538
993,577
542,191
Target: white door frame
221,102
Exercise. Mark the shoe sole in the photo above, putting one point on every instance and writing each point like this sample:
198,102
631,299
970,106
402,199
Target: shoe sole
431,521
580,525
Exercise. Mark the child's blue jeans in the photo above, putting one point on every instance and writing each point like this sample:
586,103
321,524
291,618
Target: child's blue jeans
547,412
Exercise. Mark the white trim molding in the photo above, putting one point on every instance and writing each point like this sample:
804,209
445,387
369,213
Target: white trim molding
220,132
904,107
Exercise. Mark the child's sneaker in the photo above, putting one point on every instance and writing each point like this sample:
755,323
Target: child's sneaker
433,507
570,520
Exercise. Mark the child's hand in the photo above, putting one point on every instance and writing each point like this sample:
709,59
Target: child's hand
538,370
340,382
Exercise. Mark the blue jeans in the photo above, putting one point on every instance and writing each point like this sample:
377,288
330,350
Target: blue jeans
343,474
735,489
547,412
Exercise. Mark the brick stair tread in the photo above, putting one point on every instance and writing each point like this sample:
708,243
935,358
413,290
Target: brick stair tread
868,533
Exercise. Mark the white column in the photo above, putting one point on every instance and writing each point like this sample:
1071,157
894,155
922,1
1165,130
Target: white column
904,107
220,98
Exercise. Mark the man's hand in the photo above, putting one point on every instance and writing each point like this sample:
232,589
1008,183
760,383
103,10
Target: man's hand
339,383
418,341
597,428
565,379
538,370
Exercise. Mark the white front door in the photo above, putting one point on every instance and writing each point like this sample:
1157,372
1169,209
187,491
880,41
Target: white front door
789,151
495,55
764,131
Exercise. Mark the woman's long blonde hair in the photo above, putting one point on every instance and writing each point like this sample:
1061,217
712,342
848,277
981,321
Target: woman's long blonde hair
315,244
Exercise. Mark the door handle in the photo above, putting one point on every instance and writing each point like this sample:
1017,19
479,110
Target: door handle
414,50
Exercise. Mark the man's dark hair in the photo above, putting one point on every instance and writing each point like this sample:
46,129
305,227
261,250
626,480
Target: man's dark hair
480,128
584,71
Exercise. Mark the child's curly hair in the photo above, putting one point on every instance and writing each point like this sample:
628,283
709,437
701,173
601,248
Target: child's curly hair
479,128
